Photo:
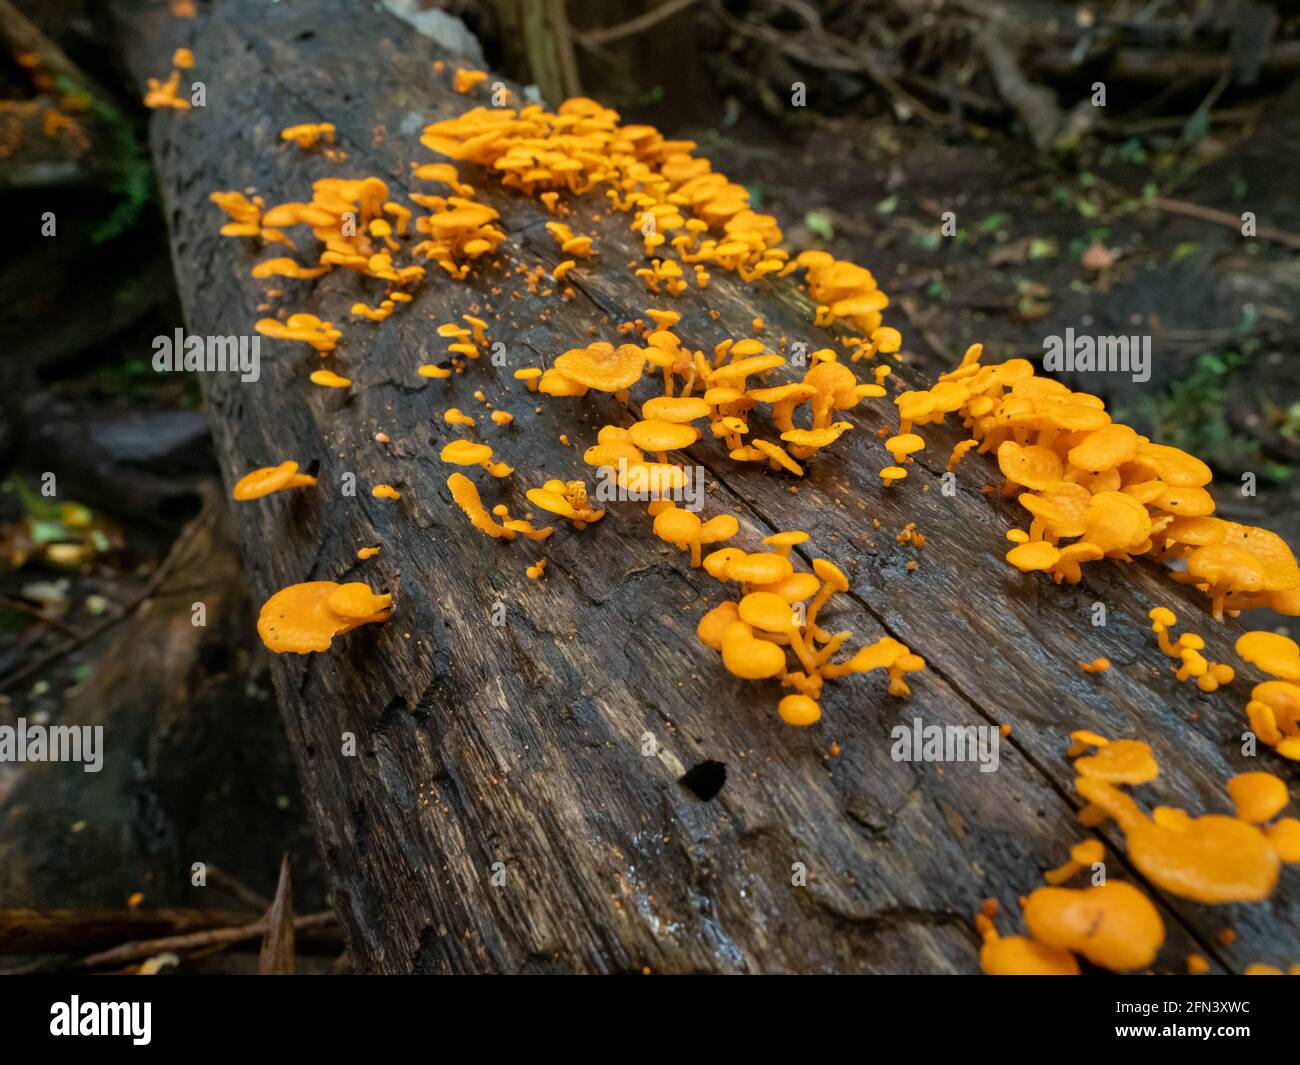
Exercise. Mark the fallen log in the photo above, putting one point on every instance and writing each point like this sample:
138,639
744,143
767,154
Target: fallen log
519,749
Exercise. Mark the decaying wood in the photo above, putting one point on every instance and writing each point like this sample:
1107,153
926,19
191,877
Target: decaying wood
523,744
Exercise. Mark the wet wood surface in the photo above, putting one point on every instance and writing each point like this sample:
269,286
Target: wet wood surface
523,744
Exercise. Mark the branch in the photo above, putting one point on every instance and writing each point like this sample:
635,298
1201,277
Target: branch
592,38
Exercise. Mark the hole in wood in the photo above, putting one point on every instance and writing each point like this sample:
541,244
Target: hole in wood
704,780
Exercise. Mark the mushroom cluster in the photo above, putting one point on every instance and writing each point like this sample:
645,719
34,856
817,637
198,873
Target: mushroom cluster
360,228
1274,706
1210,859
729,386
1095,488
777,613
676,199
1209,676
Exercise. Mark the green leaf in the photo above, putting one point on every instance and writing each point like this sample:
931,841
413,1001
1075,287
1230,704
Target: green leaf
819,224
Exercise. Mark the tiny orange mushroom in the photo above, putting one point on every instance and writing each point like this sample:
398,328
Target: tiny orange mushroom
270,479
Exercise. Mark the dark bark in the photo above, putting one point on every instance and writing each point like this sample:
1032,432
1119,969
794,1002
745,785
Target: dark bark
522,744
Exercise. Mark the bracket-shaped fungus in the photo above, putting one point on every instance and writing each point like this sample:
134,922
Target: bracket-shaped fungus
1118,762
1271,652
1113,925
303,618
468,453
1019,955
1211,859
270,479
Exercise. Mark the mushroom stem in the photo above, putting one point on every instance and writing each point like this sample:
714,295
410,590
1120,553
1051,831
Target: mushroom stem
808,661
695,554
1062,873
819,601
897,686
1219,591
832,645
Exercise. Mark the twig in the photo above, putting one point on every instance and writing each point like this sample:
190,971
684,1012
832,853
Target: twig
236,888
35,614
147,948
1207,105
592,38
1223,218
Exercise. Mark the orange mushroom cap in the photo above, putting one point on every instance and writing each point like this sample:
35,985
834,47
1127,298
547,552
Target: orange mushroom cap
356,600
1211,859
329,379
714,624
758,568
1120,762
1105,448
299,619
799,710
1034,466
1272,652
603,367
679,409
768,612
1035,555
748,657
270,479
1113,925
1020,956
662,436
1258,797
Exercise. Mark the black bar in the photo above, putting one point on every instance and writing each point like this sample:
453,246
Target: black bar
1151,1015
